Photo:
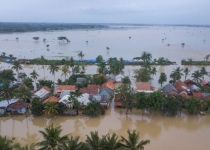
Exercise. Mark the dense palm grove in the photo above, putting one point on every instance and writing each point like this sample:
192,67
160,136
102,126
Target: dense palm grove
52,140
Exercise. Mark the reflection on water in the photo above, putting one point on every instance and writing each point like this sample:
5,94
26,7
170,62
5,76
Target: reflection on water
184,132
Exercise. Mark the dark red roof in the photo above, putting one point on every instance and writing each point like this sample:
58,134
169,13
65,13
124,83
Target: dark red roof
18,105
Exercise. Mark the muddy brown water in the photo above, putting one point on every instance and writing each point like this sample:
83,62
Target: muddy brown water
184,132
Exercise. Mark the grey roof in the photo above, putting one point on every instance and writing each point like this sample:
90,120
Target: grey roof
42,93
106,91
64,92
168,88
103,99
110,76
81,80
206,94
194,88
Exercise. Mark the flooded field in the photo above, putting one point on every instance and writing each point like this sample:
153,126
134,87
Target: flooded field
183,132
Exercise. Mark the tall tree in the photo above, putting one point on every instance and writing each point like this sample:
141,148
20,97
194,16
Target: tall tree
203,72
23,93
6,144
81,55
43,60
162,78
143,74
186,73
196,76
34,75
6,91
73,98
65,71
53,69
93,141
133,143
17,67
52,138
51,108
176,74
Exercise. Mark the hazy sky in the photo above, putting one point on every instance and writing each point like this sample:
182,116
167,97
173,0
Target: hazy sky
106,11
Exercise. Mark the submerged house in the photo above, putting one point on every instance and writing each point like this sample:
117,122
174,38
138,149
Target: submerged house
18,107
43,93
102,99
117,101
144,87
4,104
181,86
169,89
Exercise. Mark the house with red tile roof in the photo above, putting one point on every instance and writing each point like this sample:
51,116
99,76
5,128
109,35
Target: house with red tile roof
144,87
108,84
189,83
60,88
181,86
51,99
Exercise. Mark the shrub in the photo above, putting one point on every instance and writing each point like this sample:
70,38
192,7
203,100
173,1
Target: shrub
37,107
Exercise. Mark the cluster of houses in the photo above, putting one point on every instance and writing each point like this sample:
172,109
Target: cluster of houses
103,93
186,89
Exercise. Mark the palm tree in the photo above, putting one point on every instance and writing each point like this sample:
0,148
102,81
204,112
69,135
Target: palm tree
53,68
93,141
10,55
23,93
44,40
71,64
5,143
186,72
80,55
177,73
196,76
43,61
183,44
146,56
190,61
132,143
65,71
153,71
6,91
203,72
26,147
34,75
52,138
162,78
3,54
51,108
74,144
17,66
111,142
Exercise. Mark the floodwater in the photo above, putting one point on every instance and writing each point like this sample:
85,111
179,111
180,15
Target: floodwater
183,132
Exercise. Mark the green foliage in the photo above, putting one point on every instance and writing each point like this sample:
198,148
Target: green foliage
7,74
115,65
23,93
162,78
61,108
52,138
141,100
37,107
94,109
193,105
99,79
51,108
99,59
156,100
126,80
5,143
133,143
143,74
28,82
172,106
6,92
73,99
47,83
93,141
74,144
